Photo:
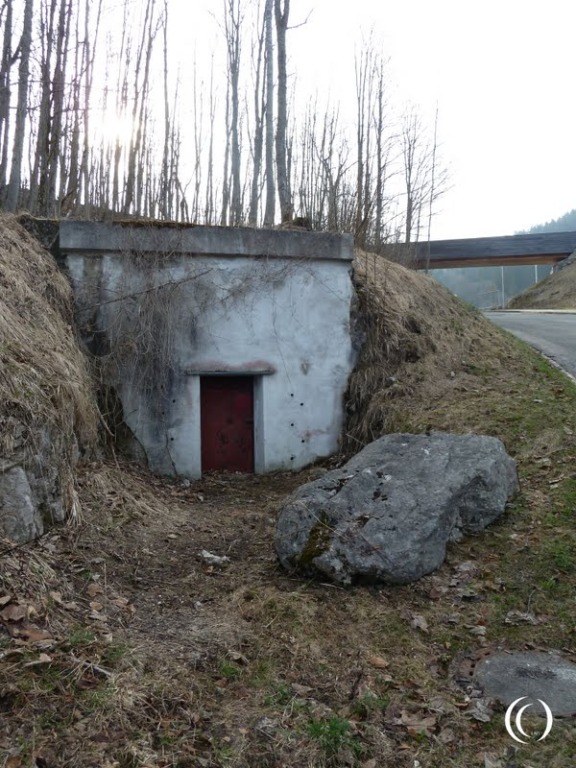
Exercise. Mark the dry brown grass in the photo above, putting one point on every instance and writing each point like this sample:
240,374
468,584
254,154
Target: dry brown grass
44,380
421,344
557,291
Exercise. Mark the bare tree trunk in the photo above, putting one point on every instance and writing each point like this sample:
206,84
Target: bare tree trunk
432,196
13,193
209,211
232,29
259,112
410,140
57,156
333,172
164,191
198,126
122,88
308,172
282,12
225,175
89,48
424,181
6,17
372,148
382,151
177,202
361,85
269,53
133,189
38,176
71,180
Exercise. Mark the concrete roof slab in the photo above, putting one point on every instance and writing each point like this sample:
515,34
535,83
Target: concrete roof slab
144,237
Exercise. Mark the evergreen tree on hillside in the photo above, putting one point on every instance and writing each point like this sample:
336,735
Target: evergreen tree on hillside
566,223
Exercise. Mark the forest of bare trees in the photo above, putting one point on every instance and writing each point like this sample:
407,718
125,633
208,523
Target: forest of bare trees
98,120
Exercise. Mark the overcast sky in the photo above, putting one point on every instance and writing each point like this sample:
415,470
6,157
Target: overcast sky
502,73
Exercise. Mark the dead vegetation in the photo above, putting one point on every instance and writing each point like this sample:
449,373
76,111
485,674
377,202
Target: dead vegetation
123,646
557,291
422,347
44,376
45,388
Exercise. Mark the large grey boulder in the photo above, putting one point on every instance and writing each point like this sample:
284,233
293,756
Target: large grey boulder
387,515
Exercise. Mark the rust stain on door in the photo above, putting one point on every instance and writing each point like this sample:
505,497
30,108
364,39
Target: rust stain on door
227,423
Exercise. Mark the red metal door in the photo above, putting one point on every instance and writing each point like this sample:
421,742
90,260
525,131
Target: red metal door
227,423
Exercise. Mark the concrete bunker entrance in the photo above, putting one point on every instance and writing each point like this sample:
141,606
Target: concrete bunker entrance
227,423
200,304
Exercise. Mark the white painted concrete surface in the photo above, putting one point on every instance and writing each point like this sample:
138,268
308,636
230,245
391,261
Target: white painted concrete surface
283,319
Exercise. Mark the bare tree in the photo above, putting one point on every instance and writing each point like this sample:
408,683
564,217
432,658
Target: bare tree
141,91
209,210
382,157
415,161
259,106
164,192
50,135
226,183
55,163
6,62
322,163
37,196
364,82
411,159
198,104
308,171
70,156
269,58
90,46
282,12
424,180
13,192
433,189
233,18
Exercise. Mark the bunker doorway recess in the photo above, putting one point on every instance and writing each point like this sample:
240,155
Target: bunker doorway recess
227,423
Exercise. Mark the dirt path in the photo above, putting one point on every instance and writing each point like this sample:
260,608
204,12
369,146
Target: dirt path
180,599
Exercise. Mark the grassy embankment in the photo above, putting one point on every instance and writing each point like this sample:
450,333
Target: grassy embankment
557,291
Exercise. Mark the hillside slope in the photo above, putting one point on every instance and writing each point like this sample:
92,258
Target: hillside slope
426,353
557,291
47,410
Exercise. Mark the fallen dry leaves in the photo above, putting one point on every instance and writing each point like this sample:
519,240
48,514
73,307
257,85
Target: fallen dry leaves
378,662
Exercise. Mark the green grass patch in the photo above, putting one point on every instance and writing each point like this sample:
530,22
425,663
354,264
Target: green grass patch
333,735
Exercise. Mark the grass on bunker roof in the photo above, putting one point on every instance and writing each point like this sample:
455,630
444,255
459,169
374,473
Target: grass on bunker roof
120,646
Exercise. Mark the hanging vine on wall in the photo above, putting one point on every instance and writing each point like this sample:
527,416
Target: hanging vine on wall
143,326
143,314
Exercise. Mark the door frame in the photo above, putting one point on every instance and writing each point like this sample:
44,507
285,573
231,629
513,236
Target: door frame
220,412
258,379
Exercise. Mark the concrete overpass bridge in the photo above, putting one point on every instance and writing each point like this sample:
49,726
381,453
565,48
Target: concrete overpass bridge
507,251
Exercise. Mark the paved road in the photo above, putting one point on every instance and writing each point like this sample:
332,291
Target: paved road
552,334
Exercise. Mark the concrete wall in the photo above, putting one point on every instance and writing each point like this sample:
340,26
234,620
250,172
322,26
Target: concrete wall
166,305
